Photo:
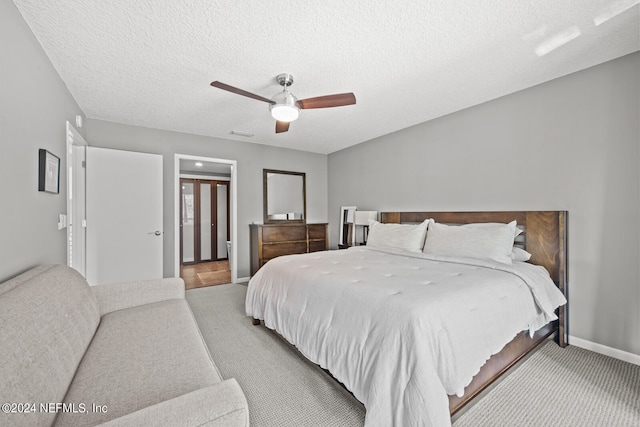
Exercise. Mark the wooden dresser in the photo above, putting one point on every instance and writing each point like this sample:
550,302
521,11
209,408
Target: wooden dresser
269,241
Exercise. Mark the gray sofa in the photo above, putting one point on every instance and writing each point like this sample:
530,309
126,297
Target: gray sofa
126,354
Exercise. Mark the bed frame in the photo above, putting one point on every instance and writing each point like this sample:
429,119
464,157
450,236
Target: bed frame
545,237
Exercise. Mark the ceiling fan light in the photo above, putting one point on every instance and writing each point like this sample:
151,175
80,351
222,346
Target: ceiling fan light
285,113
285,108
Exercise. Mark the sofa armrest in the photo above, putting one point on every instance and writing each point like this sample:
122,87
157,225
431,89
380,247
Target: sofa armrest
222,404
132,294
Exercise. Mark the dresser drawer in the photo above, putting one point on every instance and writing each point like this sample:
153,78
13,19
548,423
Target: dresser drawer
317,245
317,231
286,248
270,241
283,233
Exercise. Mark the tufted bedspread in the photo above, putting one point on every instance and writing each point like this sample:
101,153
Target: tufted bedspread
400,330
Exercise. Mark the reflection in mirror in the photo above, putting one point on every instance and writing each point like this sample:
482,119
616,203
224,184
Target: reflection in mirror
347,220
284,196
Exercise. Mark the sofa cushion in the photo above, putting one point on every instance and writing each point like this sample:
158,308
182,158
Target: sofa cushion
219,405
139,357
48,317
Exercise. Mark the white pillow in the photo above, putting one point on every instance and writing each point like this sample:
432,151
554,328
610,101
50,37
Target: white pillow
409,237
492,241
516,230
518,254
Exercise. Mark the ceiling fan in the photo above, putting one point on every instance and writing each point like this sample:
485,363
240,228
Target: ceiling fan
285,107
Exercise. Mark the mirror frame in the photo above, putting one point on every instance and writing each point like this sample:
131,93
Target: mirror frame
343,210
265,201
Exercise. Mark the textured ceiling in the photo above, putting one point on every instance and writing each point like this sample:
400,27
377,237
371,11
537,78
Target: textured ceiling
150,62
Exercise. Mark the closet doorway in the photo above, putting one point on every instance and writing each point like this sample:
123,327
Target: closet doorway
204,220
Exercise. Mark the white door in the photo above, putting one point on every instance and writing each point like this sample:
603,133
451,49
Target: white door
76,202
124,216
222,220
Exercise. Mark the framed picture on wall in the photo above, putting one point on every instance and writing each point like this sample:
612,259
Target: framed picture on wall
48,172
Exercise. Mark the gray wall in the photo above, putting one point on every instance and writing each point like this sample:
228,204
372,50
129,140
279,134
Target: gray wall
572,143
34,105
252,158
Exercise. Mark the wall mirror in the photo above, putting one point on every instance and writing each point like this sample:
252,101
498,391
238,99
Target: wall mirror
347,222
285,197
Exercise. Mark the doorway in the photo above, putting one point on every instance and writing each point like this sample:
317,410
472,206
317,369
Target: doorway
204,220
205,212
204,232
76,200
114,229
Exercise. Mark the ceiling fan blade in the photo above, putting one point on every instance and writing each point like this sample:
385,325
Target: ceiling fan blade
328,101
281,126
235,90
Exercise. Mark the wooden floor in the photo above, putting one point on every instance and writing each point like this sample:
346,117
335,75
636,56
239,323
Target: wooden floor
206,274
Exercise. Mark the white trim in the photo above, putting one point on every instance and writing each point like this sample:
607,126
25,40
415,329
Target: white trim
603,349
74,139
243,279
234,209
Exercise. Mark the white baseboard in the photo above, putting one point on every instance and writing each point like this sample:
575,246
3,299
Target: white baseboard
242,279
607,351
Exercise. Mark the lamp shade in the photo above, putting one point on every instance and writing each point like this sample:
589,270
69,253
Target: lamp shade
285,108
363,217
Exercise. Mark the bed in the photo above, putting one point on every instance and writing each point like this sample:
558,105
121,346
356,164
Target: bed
416,336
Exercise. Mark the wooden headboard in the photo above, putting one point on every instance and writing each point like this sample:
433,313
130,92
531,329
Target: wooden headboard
545,238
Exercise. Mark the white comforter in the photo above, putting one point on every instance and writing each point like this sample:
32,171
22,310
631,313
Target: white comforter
400,330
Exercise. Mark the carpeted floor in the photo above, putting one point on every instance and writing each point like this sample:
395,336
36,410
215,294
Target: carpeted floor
554,387
562,387
282,388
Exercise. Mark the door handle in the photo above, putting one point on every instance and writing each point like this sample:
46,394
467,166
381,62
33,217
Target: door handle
157,233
